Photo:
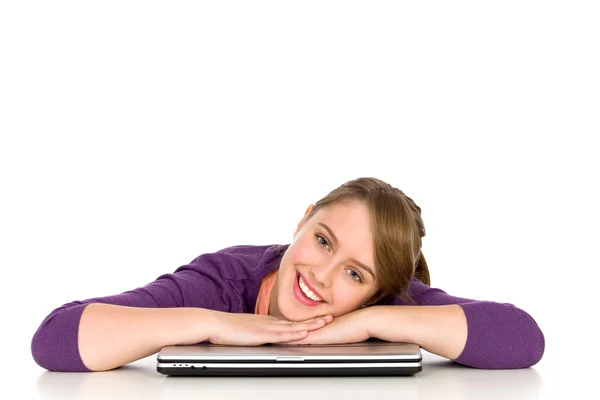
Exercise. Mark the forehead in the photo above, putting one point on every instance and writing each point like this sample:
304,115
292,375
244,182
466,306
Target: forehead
351,224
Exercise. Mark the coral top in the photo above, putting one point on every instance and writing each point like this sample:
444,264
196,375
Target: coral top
264,293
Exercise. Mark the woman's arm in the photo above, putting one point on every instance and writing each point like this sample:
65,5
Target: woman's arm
498,335
479,334
441,330
112,335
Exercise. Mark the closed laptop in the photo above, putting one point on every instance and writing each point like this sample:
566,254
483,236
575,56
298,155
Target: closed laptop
372,357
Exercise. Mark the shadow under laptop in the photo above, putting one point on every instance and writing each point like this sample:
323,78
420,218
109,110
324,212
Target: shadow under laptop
439,378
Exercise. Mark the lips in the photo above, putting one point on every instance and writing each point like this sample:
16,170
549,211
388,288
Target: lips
307,283
299,295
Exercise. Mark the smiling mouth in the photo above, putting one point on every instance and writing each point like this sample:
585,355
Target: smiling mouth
307,292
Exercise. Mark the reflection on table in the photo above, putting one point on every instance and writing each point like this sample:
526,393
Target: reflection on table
439,378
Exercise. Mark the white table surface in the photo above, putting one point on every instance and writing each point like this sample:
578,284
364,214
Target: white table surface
439,379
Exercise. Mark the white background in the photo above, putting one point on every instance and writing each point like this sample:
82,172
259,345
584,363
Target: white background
137,135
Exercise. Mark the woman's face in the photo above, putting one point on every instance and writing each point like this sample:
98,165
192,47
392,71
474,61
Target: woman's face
329,267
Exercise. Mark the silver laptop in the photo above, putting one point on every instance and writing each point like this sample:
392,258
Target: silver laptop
372,357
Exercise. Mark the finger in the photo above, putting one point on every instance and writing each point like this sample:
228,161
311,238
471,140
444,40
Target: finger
327,318
315,325
311,338
295,342
288,336
299,326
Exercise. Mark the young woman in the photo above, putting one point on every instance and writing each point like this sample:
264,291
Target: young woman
354,270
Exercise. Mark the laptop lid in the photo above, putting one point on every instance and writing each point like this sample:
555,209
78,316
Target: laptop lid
372,357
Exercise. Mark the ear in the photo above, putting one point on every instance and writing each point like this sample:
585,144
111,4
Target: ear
303,220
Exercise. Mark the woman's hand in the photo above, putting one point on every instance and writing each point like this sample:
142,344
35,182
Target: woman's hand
348,328
253,330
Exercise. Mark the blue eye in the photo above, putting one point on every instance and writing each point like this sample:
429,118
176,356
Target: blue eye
356,275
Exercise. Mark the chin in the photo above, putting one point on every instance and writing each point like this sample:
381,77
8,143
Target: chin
291,313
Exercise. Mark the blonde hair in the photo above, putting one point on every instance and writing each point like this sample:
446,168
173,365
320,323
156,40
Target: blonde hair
397,229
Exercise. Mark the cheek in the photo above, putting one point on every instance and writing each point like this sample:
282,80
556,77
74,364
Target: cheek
302,252
347,295
294,256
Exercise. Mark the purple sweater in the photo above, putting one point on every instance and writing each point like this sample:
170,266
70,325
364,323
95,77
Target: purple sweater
500,335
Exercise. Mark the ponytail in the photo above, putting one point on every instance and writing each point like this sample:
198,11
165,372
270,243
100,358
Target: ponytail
422,271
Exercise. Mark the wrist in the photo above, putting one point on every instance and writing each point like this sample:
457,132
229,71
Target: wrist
381,320
189,325
206,323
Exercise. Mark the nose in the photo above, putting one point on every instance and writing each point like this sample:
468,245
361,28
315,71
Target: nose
323,273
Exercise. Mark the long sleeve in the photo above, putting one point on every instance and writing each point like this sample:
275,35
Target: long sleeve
207,282
500,335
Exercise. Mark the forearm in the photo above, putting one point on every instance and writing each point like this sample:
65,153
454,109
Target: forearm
111,336
441,330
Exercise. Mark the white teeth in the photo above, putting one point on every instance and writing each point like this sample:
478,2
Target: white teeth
307,291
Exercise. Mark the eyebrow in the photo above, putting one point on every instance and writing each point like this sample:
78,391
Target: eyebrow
335,240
